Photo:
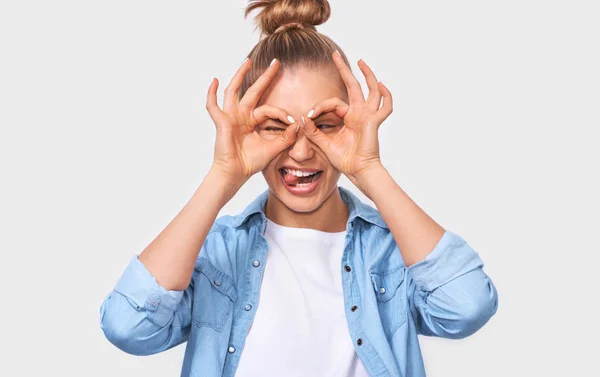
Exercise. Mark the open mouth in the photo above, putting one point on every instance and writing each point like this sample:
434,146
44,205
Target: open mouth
295,178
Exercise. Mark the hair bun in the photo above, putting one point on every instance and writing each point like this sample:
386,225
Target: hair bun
278,15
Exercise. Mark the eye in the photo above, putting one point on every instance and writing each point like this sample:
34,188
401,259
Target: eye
274,129
326,126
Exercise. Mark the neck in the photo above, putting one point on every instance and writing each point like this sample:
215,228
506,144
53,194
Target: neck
330,216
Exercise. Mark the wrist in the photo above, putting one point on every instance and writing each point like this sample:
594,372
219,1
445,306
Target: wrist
367,178
222,183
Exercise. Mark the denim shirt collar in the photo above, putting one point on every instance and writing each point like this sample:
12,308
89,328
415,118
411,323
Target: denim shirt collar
356,208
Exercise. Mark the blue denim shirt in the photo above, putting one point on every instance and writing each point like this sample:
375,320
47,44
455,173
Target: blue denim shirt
387,304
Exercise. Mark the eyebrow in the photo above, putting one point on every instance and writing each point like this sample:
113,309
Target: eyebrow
277,121
329,115
324,116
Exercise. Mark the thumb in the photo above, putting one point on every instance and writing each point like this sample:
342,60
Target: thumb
287,138
314,134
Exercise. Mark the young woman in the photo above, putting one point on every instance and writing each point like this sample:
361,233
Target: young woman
307,280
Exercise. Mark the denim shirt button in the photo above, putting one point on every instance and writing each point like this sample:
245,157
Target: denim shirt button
354,308
217,283
231,349
359,341
347,268
248,307
382,290
256,263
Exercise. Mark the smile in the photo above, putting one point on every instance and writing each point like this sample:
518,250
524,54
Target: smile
300,182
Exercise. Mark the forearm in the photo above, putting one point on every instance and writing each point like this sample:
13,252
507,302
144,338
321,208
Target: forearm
415,233
449,290
452,294
171,256
457,308
127,323
141,317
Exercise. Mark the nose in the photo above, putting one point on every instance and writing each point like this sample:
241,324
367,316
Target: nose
302,149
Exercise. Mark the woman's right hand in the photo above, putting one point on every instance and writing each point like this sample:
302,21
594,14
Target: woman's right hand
240,151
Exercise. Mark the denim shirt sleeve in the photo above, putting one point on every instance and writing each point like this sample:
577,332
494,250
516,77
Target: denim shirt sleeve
140,317
449,294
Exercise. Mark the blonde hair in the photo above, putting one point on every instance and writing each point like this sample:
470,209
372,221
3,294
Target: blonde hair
289,33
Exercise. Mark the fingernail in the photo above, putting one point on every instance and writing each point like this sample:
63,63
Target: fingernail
291,119
272,62
297,127
311,113
337,52
245,60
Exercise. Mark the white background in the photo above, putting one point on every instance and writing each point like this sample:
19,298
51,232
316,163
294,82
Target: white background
104,137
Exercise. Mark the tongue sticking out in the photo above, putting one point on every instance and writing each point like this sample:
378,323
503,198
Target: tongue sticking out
291,179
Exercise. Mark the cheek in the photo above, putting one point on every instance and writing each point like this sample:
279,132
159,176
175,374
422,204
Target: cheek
269,172
335,175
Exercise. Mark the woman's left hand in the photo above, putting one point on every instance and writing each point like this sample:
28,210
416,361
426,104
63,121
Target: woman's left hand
354,149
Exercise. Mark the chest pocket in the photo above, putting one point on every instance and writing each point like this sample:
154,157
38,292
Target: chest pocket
214,296
391,300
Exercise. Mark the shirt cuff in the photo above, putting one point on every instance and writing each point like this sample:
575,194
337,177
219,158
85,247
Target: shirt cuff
449,259
143,292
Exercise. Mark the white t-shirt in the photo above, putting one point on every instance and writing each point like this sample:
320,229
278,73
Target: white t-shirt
300,328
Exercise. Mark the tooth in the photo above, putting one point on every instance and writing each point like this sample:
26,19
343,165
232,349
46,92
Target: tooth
299,173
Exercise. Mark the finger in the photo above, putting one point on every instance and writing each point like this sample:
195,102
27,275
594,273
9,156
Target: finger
266,112
354,89
318,137
374,97
334,104
387,107
211,103
279,144
231,92
253,94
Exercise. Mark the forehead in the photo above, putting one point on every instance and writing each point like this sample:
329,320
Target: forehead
298,90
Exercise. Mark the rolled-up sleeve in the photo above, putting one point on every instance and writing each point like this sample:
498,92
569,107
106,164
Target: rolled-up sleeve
449,293
141,317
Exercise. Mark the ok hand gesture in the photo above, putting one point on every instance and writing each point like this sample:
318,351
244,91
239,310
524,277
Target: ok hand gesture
241,152
354,149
